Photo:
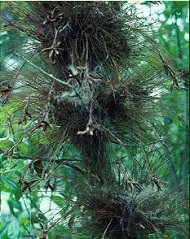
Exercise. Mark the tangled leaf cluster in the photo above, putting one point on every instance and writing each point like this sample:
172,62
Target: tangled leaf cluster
90,80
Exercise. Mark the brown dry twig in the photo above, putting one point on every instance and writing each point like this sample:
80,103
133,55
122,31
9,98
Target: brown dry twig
5,94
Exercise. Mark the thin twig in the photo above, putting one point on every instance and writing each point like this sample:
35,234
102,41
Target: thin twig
27,231
112,134
107,228
45,159
44,72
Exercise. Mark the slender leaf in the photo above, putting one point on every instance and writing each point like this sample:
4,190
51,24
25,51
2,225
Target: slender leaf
12,186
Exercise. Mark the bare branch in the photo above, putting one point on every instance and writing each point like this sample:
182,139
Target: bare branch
44,72
107,228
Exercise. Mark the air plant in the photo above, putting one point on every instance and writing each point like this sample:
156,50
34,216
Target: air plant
89,81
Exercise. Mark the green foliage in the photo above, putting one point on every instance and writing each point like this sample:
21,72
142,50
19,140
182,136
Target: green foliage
11,186
175,27
5,143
